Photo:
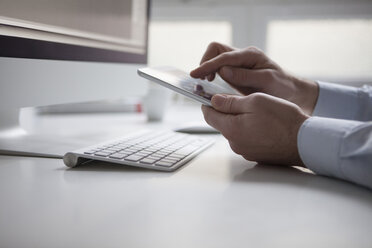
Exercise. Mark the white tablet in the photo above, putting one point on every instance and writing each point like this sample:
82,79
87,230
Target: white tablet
181,82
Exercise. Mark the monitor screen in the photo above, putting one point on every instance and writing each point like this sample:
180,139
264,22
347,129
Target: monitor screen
85,30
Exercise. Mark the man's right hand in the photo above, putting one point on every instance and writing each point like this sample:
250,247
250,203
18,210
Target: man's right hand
249,70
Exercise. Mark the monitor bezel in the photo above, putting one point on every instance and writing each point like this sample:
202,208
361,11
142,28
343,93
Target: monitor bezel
18,47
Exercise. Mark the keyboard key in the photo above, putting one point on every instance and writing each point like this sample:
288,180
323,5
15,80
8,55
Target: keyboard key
168,150
115,148
118,155
148,161
138,146
145,152
150,149
164,164
154,157
130,149
126,152
102,154
109,151
174,155
90,152
134,158
168,161
140,153
173,158
161,152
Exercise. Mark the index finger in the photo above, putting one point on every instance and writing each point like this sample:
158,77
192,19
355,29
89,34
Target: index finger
247,58
214,49
214,64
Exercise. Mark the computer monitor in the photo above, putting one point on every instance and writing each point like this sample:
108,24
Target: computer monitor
55,51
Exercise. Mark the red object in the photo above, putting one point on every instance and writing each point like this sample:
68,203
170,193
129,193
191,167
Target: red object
138,107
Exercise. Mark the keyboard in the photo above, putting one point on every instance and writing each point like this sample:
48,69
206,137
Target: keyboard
165,151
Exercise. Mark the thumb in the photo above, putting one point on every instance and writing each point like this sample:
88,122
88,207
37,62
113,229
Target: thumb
229,104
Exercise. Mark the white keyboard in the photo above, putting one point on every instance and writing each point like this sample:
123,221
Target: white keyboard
164,151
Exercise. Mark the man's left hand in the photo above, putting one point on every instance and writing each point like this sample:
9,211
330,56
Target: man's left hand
259,127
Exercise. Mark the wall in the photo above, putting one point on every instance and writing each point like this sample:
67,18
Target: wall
250,18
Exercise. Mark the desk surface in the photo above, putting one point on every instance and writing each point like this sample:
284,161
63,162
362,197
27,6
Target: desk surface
217,200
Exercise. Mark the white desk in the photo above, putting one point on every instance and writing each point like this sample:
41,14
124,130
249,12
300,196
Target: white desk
217,200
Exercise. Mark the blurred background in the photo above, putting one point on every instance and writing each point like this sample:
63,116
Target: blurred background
327,40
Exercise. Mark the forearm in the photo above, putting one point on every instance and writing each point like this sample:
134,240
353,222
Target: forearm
337,148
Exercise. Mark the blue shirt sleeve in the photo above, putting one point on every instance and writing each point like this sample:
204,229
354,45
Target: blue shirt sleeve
344,102
337,140
337,148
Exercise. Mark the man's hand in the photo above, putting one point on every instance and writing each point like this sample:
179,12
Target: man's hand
249,70
259,127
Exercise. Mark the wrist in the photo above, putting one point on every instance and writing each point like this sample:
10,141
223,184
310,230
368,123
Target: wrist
307,94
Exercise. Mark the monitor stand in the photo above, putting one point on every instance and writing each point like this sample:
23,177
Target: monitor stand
14,140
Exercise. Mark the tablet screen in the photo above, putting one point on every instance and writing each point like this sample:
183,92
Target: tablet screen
182,80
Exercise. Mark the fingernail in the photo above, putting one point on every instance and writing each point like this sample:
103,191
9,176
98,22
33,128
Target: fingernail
218,100
227,72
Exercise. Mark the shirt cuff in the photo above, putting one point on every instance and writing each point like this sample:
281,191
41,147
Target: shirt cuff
337,101
319,140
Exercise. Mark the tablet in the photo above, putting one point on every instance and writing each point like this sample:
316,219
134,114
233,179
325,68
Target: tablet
181,82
